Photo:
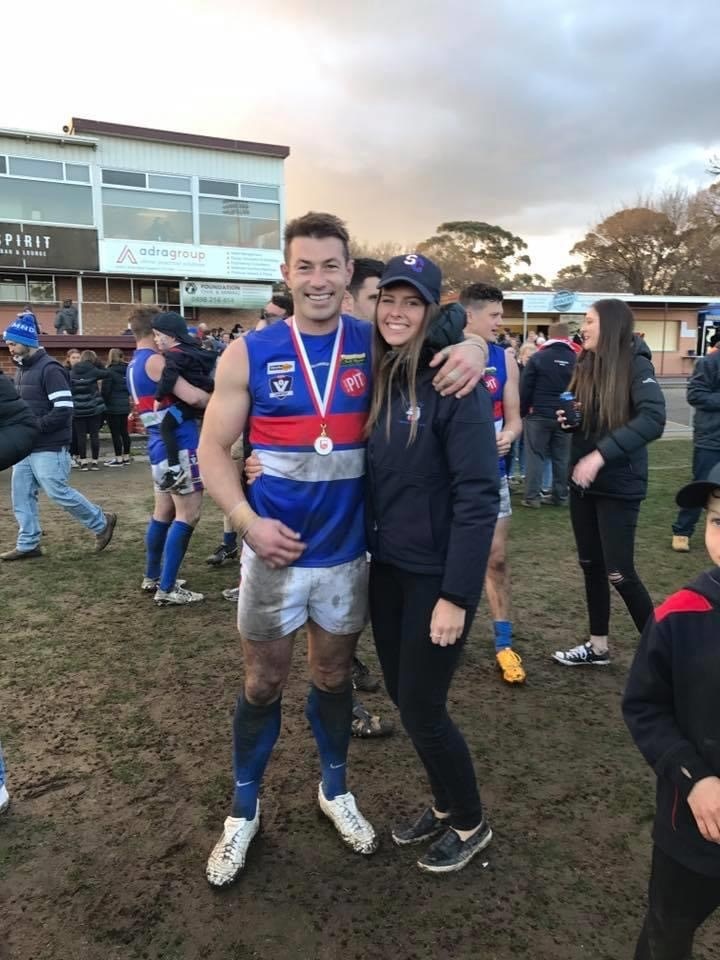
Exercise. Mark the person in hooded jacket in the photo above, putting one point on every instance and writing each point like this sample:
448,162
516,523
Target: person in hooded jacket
88,407
621,409
432,503
670,707
116,397
18,427
18,431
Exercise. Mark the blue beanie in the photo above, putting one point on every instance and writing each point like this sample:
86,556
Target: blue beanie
23,329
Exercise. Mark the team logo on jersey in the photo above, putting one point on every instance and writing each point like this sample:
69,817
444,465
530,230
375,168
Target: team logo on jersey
353,383
412,414
281,366
492,383
281,386
352,359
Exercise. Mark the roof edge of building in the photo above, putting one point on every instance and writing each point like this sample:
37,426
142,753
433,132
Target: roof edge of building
82,125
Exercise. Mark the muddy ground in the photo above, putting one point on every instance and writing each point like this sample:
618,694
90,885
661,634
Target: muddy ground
115,717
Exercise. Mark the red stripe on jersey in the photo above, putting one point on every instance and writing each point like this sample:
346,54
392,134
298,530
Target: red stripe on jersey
303,431
498,410
684,601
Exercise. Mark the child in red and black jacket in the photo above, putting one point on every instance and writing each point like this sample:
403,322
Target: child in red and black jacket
672,708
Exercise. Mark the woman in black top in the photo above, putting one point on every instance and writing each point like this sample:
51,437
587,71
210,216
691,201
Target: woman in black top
88,407
622,410
117,406
432,503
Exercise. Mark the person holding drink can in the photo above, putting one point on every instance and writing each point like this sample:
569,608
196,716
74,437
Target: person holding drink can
618,409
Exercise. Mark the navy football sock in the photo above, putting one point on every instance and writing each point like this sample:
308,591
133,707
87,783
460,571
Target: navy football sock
330,716
230,540
255,731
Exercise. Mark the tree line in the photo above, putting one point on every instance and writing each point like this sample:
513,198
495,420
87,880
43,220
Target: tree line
666,243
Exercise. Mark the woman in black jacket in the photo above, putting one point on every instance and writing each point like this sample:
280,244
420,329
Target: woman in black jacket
432,503
117,405
88,407
621,410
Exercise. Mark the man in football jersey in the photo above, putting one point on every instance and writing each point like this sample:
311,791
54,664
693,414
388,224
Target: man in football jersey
307,382
484,307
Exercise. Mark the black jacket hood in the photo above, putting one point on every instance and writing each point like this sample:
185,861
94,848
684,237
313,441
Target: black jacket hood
640,348
708,586
447,328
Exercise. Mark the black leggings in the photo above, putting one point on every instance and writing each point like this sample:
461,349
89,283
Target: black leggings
417,677
604,531
118,423
82,427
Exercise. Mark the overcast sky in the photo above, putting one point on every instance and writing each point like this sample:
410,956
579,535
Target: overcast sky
538,115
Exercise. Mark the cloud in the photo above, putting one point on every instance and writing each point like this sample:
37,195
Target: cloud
401,114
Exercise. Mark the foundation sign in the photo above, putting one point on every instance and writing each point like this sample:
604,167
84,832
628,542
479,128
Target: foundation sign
35,247
216,293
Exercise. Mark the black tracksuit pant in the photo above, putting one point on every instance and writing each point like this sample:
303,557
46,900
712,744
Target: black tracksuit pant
679,901
417,676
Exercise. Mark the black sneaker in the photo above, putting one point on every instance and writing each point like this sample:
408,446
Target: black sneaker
222,554
450,853
361,679
422,828
582,656
172,479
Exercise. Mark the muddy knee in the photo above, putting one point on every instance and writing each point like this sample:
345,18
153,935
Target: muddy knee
264,688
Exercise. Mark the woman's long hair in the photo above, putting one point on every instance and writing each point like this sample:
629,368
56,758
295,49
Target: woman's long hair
89,356
603,377
115,356
391,364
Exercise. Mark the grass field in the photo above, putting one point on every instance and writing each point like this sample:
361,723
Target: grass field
115,718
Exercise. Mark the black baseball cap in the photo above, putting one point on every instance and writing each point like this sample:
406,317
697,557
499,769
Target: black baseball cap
418,271
696,494
173,325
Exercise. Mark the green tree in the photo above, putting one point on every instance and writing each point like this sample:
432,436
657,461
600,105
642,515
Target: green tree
668,244
468,251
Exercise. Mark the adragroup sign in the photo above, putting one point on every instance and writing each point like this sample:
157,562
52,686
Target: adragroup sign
189,259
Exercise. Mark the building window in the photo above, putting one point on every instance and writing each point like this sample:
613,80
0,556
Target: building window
77,171
219,187
43,201
11,290
3,165
41,289
158,181
124,178
146,293
239,223
253,191
659,335
45,169
136,215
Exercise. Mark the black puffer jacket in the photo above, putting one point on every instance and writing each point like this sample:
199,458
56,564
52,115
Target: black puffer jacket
431,507
625,473
84,378
115,391
18,427
703,393
671,709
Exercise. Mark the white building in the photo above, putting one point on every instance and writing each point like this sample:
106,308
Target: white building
112,215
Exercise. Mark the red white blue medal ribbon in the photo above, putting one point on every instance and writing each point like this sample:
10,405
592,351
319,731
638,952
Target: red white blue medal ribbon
323,444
